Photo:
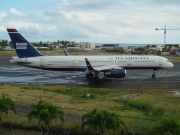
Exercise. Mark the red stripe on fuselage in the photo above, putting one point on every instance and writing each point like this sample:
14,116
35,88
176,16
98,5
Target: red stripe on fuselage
12,30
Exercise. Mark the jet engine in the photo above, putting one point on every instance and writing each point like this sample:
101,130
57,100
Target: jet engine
115,73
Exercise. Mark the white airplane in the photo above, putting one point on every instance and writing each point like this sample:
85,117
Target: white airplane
112,66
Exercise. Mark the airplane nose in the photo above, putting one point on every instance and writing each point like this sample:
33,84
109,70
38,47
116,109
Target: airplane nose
172,65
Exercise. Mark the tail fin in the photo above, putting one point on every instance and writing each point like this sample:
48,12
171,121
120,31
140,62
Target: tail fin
66,53
23,48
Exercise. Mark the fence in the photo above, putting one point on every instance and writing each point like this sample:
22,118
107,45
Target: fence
134,125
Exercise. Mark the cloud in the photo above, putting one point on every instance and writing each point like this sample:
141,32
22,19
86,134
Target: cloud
168,1
65,2
97,21
24,25
108,20
62,4
3,14
15,12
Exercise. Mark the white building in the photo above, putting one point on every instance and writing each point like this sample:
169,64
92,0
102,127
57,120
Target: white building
7,48
87,45
156,48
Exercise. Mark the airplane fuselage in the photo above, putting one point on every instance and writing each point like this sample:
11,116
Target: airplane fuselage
77,63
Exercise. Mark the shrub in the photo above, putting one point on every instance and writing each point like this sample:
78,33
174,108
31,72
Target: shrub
167,126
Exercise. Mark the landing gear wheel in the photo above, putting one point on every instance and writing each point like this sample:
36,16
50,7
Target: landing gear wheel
96,78
89,75
154,74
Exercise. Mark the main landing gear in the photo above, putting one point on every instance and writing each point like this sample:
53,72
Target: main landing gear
90,75
154,73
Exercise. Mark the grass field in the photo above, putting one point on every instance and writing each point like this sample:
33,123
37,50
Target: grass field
110,99
147,103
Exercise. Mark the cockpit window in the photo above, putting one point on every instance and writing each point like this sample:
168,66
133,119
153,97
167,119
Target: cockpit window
167,61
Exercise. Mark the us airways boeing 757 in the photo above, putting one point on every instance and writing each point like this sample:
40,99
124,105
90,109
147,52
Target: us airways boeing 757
112,66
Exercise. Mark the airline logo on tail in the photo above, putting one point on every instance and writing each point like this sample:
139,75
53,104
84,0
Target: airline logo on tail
21,45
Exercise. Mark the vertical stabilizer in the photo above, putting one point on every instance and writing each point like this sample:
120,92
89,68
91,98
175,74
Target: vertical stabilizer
66,53
23,48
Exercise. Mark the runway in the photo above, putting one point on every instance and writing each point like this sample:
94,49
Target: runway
166,78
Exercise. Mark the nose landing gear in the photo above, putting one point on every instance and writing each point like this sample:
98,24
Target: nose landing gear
154,73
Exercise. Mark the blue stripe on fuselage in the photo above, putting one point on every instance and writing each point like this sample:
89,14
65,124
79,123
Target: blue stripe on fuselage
62,69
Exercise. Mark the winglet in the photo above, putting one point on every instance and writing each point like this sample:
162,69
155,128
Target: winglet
88,64
23,48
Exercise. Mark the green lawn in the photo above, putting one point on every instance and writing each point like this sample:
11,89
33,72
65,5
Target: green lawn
110,99
146,103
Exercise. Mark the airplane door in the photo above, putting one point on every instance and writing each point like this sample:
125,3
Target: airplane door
130,62
160,61
73,62
41,62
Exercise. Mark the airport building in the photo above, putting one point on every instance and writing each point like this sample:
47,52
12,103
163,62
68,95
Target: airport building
156,48
111,47
87,45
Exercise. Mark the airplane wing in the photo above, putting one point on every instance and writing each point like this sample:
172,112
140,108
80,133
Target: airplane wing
101,68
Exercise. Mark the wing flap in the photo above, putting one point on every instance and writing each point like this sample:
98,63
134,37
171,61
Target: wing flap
105,68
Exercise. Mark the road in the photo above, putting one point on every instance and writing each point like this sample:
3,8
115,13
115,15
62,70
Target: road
166,78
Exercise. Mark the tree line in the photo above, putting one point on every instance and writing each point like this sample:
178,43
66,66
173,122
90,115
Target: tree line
4,43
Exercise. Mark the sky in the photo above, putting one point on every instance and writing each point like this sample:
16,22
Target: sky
96,21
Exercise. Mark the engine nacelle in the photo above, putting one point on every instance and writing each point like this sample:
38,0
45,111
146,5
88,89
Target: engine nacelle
115,73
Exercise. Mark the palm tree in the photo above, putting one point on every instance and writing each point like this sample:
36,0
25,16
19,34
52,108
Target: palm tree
44,113
102,121
6,104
